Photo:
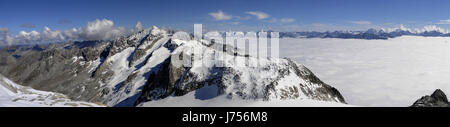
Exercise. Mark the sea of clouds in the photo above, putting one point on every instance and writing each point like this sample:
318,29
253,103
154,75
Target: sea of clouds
393,72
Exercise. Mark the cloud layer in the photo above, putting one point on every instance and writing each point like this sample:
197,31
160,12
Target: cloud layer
95,30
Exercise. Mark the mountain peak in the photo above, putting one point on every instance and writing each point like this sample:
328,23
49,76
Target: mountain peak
439,95
154,28
437,99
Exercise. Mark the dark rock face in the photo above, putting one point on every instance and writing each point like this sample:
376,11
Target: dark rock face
437,99
322,91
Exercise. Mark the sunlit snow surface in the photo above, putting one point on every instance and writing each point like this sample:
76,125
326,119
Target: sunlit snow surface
393,72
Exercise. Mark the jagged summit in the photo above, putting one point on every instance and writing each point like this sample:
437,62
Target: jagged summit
437,99
439,95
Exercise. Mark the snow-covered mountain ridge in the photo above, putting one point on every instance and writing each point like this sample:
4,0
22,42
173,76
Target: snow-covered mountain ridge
139,68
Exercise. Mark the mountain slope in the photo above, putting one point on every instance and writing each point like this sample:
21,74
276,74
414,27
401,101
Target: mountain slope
14,95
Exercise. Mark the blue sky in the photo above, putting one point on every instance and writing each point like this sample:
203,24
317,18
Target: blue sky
282,15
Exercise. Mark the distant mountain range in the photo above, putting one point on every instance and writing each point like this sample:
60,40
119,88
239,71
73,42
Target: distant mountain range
15,95
369,34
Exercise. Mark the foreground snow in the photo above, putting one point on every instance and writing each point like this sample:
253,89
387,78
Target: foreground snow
197,99
14,95
393,72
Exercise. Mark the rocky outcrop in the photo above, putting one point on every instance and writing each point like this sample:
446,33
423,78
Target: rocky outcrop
437,99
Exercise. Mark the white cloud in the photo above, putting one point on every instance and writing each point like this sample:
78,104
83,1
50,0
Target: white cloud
220,15
444,21
48,35
95,30
361,22
72,34
287,20
427,28
102,30
399,27
5,38
27,37
430,28
259,15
